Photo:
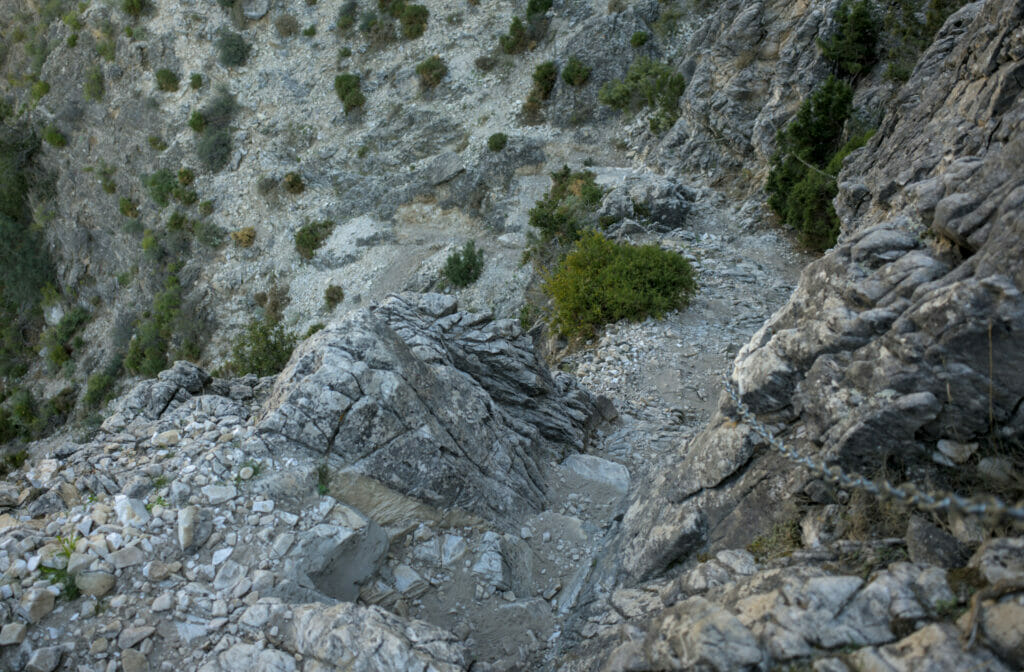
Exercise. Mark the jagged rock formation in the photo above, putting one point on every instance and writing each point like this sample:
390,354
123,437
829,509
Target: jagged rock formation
449,407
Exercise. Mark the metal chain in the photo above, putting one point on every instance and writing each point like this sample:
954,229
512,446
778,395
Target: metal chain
985,506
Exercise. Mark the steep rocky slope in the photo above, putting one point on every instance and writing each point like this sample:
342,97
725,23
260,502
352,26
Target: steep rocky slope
416,490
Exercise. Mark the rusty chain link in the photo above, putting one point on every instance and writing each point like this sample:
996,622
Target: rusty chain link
986,506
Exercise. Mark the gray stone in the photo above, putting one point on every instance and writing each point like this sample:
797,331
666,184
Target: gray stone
95,583
45,659
129,637
134,661
35,604
218,494
928,544
127,557
599,470
230,574
13,633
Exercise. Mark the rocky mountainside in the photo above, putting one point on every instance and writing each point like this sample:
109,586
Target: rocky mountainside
433,478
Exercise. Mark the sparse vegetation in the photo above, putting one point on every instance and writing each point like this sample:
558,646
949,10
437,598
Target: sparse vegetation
93,87
54,137
431,71
567,208
167,80
293,184
575,72
781,540
159,185
647,84
244,237
497,142
133,8
197,122
333,295
195,81
232,49
38,90
157,143
127,207
213,122
62,339
347,86
463,267
347,15
147,351
639,39
311,237
263,348
517,40
286,25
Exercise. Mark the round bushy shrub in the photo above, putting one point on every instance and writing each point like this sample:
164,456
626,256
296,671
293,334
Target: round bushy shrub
575,73
311,237
639,39
497,142
214,149
346,85
232,49
167,80
333,295
464,266
293,184
263,349
432,71
601,281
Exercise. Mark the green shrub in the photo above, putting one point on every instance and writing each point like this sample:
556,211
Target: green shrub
802,183
852,48
647,84
38,90
186,176
601,281
244,237
413,19
497,142
133,8
311,237
536,8
221,110
195,81
160,185
99,389
568,206
197,122
157,143
544,77
463,267
60,341
431,71
54,137
128,207
72,40
347,85
106,49
147,351
347,15
378,30
208,233
206,208
214,149
232,49
310,31
485,63
517,40
167,80
263,348
333,295
93,88
639,39
293,184
344,52
575,73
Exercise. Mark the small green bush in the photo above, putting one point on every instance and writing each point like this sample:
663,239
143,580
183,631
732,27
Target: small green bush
157,143
72,40
852,49
54,137
206,208
195,81
463,267
485,63
197,122
263,348
802,183
286,25
333,295
344,52
232,49
160,185
133,8
544,77
575,72
106,49
167,80
186,176
38,90
601,281
517,40
497,142
568,206
99,389
311,237
128,207
431,71
293,184
347,15
347,85
639,39
214,149
413,19
60,341
147,351
647,84
93,88
536,8
310,31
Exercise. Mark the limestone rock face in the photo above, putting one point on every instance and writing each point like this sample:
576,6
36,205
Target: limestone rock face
449,407
906,333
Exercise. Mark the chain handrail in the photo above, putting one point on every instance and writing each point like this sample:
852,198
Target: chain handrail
986,506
